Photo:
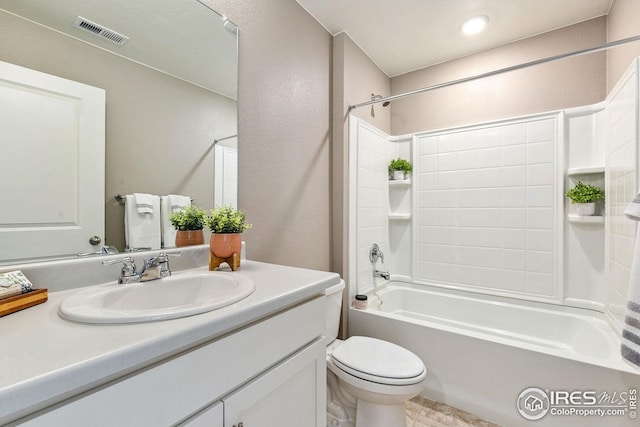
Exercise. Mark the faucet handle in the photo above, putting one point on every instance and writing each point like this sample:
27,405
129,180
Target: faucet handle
164,256
163,260
128,272
375,253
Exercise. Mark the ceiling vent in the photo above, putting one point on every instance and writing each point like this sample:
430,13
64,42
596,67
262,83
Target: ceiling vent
100,31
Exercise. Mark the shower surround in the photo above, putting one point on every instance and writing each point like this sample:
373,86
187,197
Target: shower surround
484,214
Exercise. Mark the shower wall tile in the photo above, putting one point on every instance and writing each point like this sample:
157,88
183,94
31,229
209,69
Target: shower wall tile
514,134
540,152
621,187
514,176
514,155
372,199
539,130
514,218
486,211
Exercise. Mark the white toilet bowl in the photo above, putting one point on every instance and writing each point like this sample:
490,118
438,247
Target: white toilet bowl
368,380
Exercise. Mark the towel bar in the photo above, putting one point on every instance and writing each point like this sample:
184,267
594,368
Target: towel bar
120,198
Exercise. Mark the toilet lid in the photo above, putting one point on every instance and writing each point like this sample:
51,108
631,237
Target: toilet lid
379,361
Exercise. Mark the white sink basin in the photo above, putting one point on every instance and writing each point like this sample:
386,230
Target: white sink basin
180,295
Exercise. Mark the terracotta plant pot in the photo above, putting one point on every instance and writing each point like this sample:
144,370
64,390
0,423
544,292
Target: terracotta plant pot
189,237
223,245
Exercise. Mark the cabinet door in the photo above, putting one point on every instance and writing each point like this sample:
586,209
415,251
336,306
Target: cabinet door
213,416
292,394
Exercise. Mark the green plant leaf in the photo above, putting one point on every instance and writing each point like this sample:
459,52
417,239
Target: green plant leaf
188,218
400,165
585,193
227,219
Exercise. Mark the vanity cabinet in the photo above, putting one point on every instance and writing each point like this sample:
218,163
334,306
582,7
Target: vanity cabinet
212,416
285,396
271,370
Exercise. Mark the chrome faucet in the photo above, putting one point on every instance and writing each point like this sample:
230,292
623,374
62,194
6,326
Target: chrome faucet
384,274
376,253
152,269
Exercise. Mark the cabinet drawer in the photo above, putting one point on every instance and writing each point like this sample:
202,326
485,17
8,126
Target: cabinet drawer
170,391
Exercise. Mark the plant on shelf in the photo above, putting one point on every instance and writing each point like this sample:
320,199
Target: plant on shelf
399,168
226,224
584,197
188,222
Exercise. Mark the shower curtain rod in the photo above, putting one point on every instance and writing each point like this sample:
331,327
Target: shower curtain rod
500,71
215,141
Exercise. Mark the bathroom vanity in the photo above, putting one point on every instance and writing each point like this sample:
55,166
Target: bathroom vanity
261,358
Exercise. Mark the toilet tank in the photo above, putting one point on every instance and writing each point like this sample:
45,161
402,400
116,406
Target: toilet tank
333,296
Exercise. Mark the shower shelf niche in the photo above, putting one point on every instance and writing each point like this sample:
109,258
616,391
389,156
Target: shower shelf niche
577,219
592,170
400,199
400,183
400,216
593,175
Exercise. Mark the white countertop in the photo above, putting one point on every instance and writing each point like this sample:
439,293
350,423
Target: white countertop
46,359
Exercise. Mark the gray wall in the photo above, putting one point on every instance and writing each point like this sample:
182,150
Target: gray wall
159,130
562,84
623,21
285,133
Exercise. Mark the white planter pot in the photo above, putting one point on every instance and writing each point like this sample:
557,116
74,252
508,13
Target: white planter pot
398,175
585,209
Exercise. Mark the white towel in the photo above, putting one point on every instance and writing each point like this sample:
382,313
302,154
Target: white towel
177,202
632,211
169,204
144,202
142,230
630,347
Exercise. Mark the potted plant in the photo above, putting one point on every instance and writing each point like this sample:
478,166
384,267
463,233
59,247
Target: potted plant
226,224
188,222
584,197
399,168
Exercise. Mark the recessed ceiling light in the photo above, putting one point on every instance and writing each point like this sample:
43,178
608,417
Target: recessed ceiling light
474,24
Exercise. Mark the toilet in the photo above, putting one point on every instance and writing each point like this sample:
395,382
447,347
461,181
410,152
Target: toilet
368,380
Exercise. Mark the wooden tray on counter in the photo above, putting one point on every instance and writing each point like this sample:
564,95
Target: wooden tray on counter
22,301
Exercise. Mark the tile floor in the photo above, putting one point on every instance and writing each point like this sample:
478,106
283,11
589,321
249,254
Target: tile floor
422,412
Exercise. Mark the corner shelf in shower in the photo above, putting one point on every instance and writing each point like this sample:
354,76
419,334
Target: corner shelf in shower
577,219
591,170
591,173
399,183
400,216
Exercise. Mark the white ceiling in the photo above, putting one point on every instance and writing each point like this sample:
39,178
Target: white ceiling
406,35
182,38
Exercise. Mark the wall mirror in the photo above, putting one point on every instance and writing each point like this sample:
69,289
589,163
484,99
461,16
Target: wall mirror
169,69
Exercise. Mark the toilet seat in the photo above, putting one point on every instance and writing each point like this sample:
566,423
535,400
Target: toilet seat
378,361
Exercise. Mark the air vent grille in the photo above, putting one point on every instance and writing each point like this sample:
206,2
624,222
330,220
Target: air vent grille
100,31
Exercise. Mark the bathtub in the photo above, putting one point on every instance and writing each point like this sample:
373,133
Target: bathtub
481,351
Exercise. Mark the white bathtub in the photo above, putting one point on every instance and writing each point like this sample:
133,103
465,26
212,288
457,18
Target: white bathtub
482,352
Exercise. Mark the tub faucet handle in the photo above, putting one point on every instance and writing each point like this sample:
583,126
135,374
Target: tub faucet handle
375,253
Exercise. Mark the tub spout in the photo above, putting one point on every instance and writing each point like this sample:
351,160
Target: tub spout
384,274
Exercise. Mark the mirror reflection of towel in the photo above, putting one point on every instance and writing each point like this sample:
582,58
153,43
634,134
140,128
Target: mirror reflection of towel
142,230
144,202
169,204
